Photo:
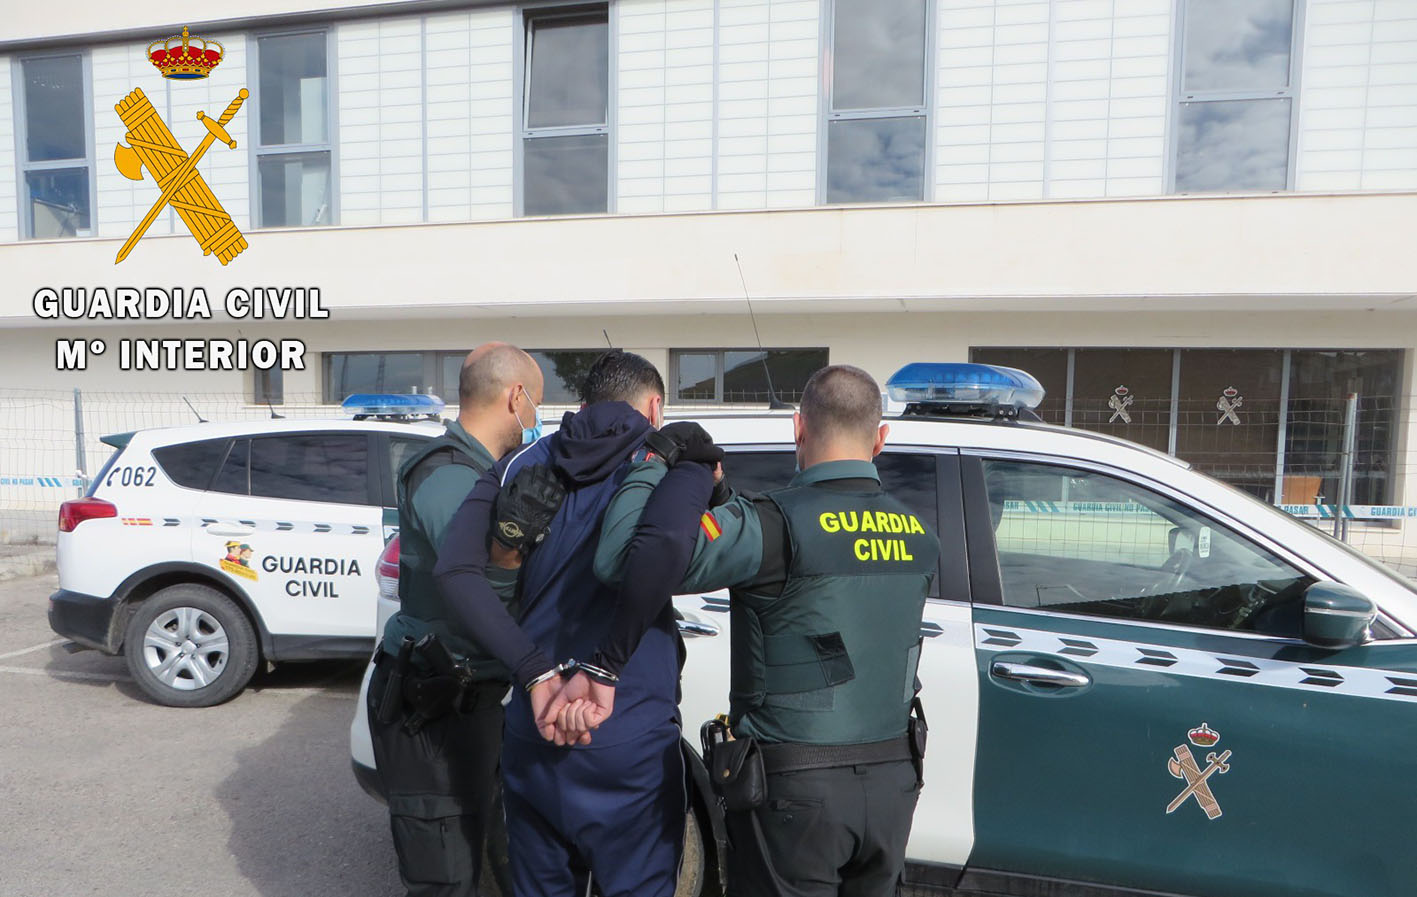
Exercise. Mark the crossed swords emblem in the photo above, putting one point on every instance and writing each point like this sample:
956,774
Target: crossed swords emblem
1183,766
1226,405
152,146
1119,402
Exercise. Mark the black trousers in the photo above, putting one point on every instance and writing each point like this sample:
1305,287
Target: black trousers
836,832
440,785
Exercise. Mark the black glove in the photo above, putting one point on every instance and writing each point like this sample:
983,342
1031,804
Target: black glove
684,441
525,507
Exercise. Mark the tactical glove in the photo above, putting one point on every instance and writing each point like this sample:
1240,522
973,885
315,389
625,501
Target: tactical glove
525,507
684,441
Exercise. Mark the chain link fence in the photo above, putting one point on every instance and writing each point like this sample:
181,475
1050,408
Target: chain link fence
1343,471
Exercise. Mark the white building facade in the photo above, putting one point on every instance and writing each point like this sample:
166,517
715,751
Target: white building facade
1198,210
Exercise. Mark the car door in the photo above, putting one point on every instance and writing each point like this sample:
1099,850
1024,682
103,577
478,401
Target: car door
1149,714
295,521
928,481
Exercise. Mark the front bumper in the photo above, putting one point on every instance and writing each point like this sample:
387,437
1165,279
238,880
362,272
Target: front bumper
369,780
87,619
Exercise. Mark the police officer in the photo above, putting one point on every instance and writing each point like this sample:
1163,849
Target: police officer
829,577
435,700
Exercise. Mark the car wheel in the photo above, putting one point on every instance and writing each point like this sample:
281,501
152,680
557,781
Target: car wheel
189,645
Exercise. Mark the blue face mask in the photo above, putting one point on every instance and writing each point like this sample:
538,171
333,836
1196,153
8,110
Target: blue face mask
532,433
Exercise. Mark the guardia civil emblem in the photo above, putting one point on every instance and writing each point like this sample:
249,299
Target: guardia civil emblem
1119,401
1230,399
1183,765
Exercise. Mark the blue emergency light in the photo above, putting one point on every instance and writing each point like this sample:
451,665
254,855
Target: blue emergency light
957,387
393,406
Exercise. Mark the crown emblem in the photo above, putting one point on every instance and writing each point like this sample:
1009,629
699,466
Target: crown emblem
187,60
1121,390
1203,736
1231,392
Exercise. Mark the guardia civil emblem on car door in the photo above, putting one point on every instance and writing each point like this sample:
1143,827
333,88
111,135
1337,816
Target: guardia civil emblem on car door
1184,766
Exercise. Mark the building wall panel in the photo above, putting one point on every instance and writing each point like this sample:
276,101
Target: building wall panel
767,91
1358,96
9,204
380,71
1046,98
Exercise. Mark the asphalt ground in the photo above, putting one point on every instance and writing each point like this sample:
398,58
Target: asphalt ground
107,793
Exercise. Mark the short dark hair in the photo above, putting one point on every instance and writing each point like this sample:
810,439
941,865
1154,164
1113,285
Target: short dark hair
841,400
620,376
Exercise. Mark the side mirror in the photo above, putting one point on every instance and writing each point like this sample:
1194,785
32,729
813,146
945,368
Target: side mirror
1336,616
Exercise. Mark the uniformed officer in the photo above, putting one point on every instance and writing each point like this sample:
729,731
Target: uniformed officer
437,731
829,577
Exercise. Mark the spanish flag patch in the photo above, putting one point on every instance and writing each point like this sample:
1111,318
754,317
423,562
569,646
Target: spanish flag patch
710,526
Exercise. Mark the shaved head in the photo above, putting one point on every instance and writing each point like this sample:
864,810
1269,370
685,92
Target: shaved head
492,368
842,403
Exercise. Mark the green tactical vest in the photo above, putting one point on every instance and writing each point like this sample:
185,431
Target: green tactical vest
421,607
833,659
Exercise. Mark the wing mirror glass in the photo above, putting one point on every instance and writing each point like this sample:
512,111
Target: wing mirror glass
1336,616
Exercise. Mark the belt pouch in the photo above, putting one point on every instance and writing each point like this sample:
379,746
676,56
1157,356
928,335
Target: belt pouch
736,768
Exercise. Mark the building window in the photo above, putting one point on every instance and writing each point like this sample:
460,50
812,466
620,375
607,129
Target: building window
53,115
563,370
1236,96
877,117
269,387
293,148
436,372
347,373
1267,421
737,376
565,117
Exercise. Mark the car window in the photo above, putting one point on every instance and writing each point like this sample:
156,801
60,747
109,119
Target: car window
1082,542
332,467
401,448
235,474
191,464
909,477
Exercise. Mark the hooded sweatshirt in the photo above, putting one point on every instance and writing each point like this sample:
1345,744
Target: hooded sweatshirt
565,612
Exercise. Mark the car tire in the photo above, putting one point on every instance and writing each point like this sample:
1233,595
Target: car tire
189,645
693,866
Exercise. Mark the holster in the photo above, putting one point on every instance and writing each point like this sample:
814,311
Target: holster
918,732
735,768
391,698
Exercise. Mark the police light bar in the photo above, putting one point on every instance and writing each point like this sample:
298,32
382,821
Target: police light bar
958,387
393,406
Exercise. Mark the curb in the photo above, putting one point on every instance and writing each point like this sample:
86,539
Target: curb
32,563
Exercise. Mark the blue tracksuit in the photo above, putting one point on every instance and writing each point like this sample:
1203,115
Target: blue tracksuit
615,807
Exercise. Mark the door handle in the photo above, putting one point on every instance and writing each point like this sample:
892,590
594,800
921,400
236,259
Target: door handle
218,529
1023,672
696,628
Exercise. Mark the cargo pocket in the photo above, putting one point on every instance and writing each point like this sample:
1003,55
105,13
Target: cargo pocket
431,840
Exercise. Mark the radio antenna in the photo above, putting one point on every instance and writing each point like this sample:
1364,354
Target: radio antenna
774,403
200,419
607,337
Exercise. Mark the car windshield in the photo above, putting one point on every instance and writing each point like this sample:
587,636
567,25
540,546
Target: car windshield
1397,579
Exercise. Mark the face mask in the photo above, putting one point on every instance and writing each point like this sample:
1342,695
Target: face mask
532,433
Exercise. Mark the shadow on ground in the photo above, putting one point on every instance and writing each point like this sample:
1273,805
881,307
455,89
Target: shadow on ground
292,839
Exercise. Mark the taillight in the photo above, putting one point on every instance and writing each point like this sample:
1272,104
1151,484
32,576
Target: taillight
74,512
387,571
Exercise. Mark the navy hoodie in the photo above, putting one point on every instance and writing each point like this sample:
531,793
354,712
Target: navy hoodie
565,612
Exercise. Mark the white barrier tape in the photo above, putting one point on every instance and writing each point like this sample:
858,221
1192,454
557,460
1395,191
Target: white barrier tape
63,482
1321,512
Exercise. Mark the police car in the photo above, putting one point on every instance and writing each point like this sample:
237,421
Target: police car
200,551
1139,680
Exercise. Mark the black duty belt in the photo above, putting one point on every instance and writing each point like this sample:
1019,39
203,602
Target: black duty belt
796,757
